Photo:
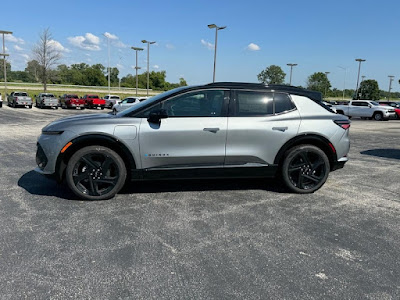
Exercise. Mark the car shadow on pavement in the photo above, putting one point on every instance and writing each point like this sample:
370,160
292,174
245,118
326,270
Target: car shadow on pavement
37,184
386,153
197,185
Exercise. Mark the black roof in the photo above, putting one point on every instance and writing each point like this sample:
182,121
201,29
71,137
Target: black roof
314,95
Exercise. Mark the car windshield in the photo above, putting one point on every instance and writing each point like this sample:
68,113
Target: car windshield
20,94
374,103
93,96
149,101
114,97
48,95
72,96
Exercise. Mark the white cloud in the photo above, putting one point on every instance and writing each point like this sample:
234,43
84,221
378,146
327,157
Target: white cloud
207,44
87,42
57,46
119,66
169,46
253,47
13,39
156,67
26,56
120,44
18,48
111,36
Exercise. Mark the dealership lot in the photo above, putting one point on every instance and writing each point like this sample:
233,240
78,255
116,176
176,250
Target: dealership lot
204,239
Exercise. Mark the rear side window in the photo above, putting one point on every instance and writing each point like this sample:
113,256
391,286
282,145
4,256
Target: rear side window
282,103
250,103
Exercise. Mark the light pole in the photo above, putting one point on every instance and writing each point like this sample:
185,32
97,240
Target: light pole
360,60
3,32
136,67
291,69
108,68
344,80
391,78
326,87
148,62
216,40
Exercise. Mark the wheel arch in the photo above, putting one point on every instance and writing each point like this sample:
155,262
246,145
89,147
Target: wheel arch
90,140
311,139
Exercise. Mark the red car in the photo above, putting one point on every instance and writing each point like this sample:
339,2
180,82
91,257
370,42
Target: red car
71,101
94,101
395,105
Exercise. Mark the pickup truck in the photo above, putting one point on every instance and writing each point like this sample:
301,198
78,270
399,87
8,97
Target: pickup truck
111,100
46,100
71,101
93,101
366,109
16,99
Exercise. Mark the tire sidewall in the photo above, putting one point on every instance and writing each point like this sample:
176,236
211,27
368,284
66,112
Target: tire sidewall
292,153
105,151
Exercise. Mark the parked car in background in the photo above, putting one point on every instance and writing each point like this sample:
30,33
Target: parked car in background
216,130
93,101
1,101
395,105
111,100
366,109
44,100
71,101
16,99
127,102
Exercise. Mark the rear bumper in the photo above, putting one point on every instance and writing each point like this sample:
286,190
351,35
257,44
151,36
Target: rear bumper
339,164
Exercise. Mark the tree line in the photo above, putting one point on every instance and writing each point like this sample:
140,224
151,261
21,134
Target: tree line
318,81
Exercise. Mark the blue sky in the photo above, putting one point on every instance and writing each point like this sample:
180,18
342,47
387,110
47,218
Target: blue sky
317,35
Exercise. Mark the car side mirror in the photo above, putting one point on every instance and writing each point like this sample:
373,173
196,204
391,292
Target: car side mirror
155,116
369,105
119,102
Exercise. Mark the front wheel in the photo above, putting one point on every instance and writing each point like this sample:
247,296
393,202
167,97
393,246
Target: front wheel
95,173
305,169
378,116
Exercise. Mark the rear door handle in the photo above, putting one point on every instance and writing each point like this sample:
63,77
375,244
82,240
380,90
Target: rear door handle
214,130
283,129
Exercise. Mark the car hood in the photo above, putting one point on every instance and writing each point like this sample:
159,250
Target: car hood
65,123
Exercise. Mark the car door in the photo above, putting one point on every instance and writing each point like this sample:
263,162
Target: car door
193,135
259,124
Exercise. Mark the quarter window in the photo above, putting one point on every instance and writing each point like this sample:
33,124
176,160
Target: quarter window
282,103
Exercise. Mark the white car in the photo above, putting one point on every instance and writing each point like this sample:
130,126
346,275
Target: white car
127,102
111,100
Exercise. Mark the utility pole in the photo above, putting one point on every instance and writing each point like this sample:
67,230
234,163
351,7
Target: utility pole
3,32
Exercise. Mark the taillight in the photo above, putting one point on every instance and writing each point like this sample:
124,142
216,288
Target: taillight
345,124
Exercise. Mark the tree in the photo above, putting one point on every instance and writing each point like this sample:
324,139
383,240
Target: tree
182,82
32,68
318,82
272,75
369,90
46,55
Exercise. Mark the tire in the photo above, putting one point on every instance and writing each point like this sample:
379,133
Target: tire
378,116
340,112
13,105
30,106
305,169
56,107
85,169
114,111
102,107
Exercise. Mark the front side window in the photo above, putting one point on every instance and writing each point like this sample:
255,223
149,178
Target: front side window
196,104
250,103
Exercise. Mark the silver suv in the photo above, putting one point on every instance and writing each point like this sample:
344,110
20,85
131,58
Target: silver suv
209,131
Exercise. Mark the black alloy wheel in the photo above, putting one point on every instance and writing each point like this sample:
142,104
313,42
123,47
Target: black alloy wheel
95,173
305,169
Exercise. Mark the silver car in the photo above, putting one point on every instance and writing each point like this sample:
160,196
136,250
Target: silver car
208,131
127,103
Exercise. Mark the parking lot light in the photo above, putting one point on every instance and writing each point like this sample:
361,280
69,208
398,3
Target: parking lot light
108,68
344,80
211,26
391,78
291,69
136,67
148,62
360,60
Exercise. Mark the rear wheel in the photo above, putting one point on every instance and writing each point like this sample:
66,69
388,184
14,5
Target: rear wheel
95,173
305,169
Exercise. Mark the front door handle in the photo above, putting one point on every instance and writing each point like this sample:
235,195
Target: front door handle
214,130
283,129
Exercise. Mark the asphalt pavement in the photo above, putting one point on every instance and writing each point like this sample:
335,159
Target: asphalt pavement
203,239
